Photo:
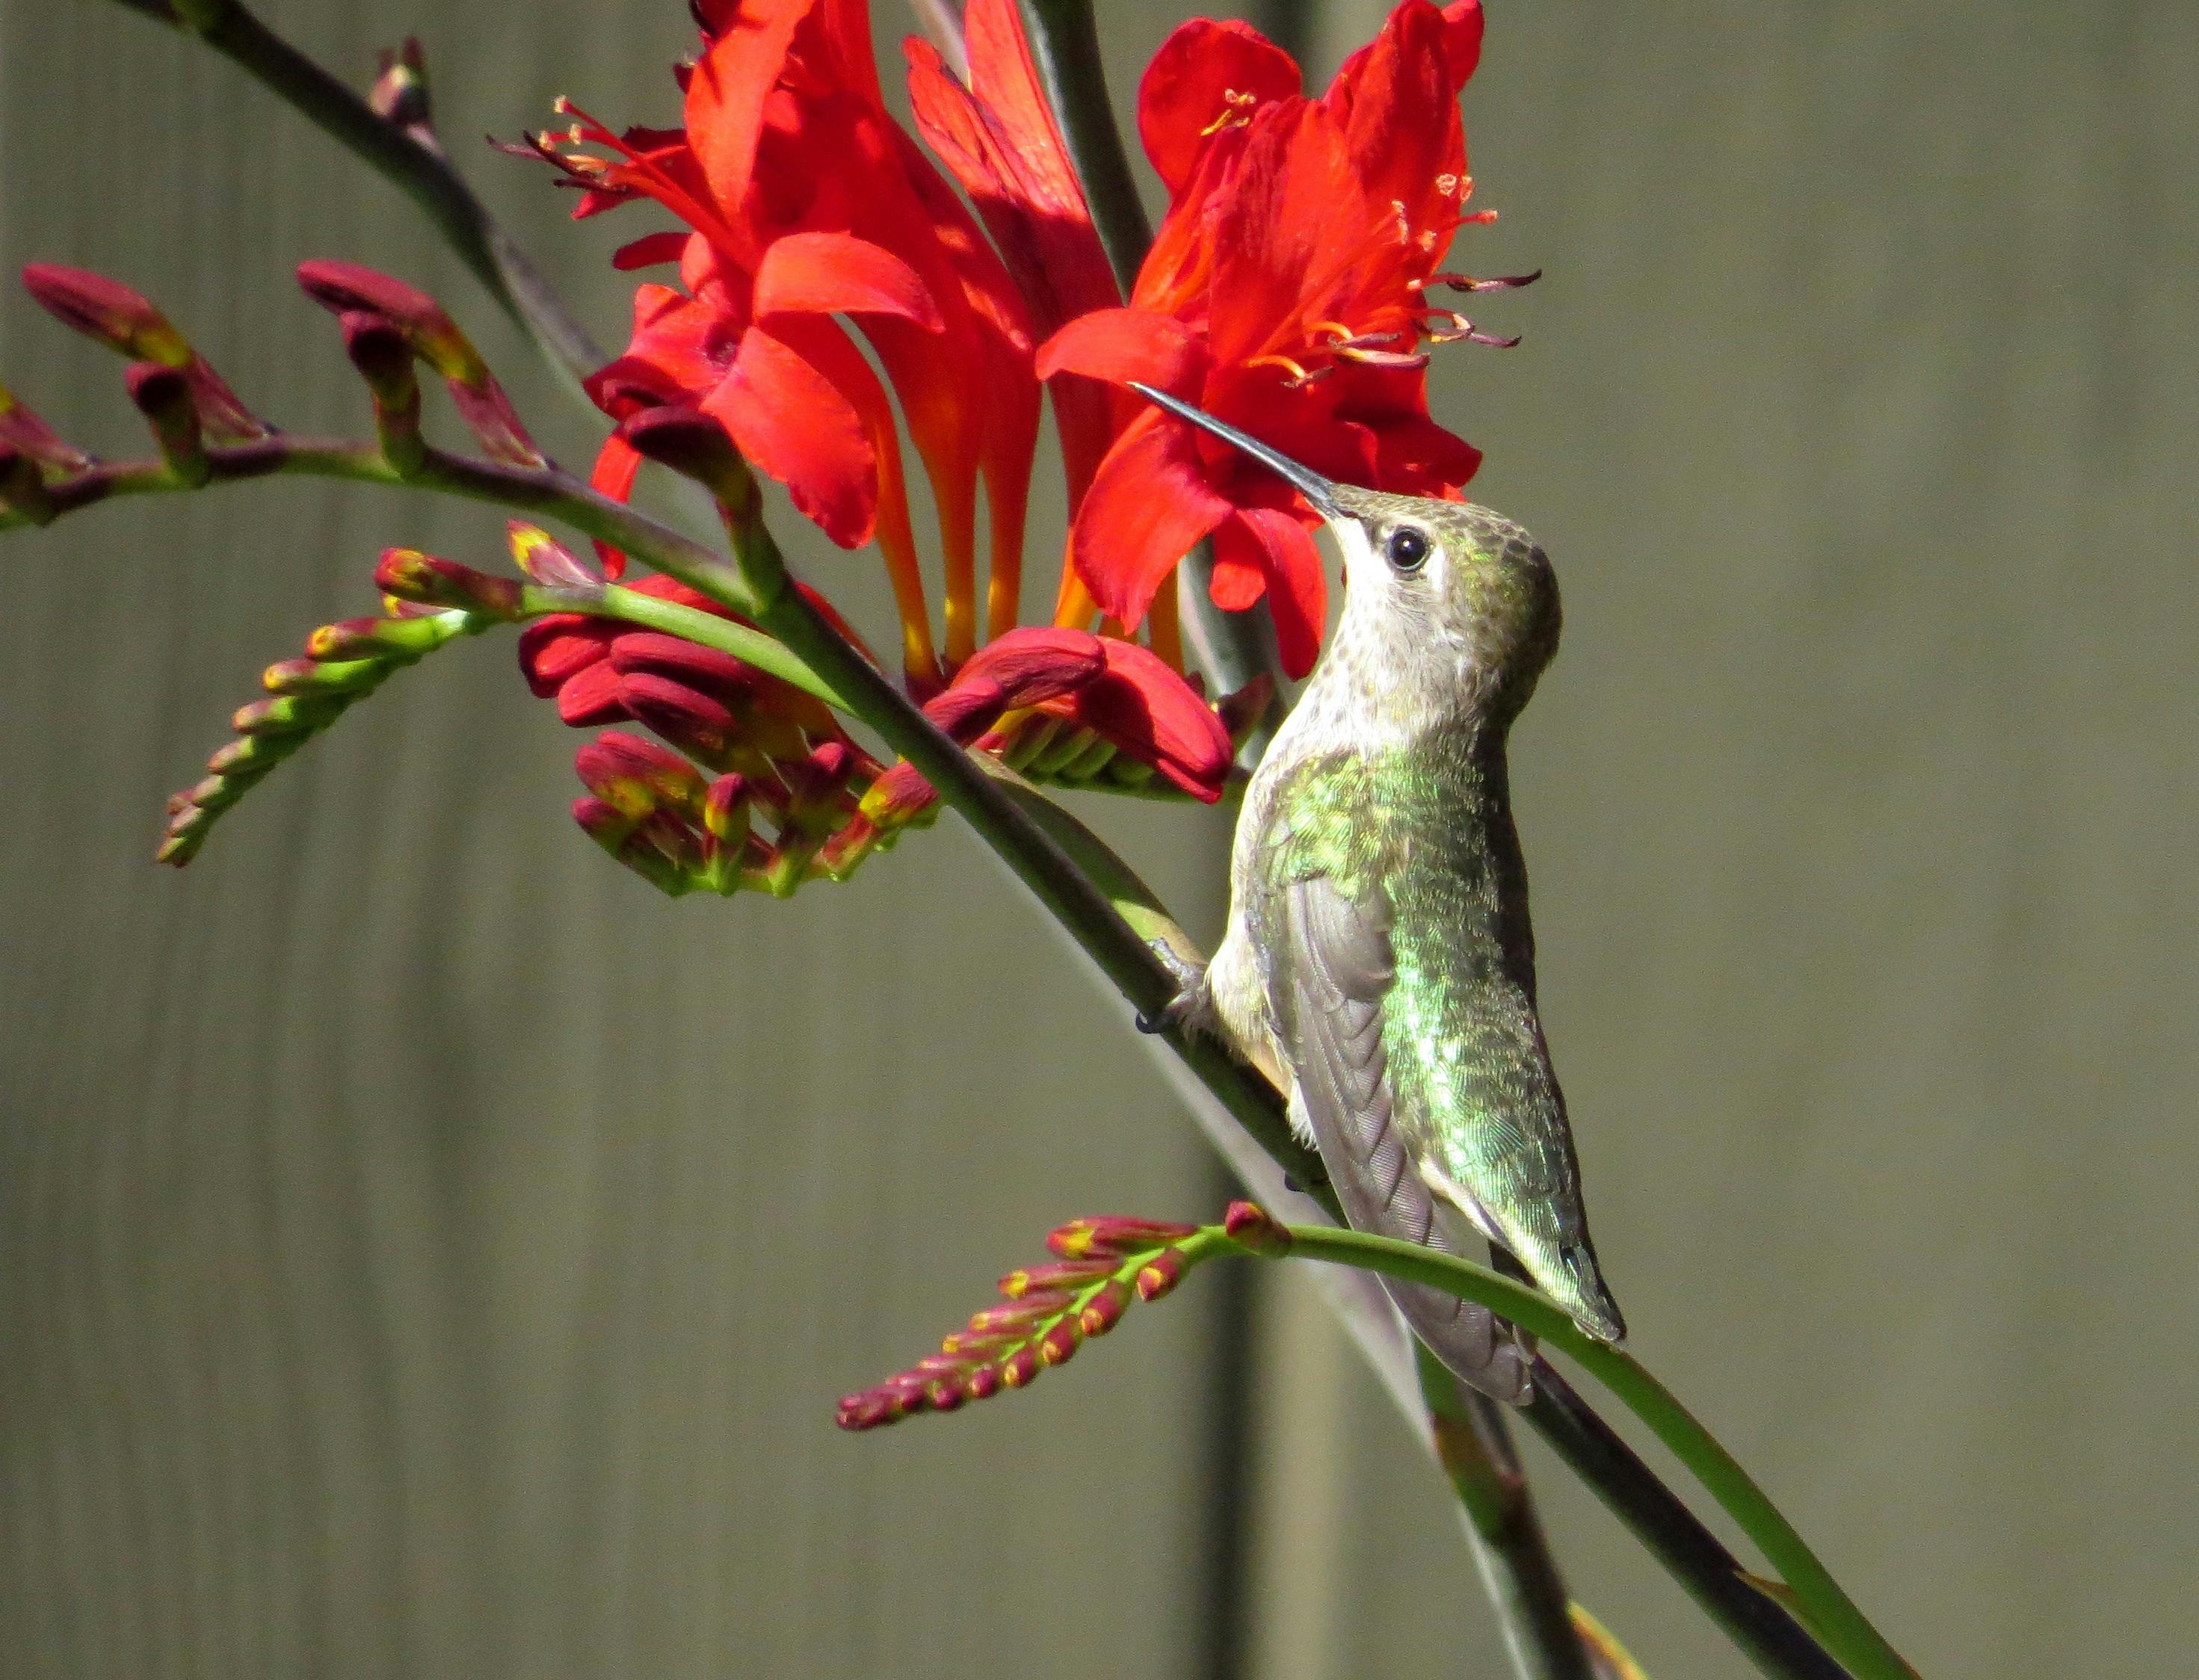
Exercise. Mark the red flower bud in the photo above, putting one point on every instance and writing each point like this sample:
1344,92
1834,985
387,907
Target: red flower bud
635,777
163,395
435,339
1104,1310
686,716
718,675
549,562
1251,1227
107,310
1161,1273
694,446
1060,1275
592,697
125,321
22,430
1056,1346
1114,1235
411,576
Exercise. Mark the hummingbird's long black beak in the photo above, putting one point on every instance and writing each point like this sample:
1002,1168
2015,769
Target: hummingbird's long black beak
1320,491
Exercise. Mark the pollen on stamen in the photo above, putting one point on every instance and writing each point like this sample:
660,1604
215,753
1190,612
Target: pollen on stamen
1298,374
1236,116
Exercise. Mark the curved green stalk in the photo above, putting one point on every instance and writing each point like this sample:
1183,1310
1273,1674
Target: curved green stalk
1814,1594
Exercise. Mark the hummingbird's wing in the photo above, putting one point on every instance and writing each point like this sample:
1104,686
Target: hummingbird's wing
1339,966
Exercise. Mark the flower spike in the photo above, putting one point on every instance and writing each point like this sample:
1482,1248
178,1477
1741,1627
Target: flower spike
435,339
344,663
111,313
1049,1311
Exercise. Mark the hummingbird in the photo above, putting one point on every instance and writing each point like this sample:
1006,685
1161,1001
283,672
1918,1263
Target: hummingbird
1378,965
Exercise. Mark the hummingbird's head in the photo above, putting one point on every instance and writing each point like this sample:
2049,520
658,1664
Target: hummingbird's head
1448,607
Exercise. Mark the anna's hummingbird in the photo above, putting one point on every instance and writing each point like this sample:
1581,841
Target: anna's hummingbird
1378,965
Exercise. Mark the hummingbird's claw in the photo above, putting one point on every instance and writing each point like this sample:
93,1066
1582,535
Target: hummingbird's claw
1188,1007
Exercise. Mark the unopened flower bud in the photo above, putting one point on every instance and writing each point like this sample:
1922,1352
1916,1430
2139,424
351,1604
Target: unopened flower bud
383,356
323,676
1104,1310
411,576
435,339
898,797
1060,1343
122,320
984,1382
635,776
1059,1274
286,714
1161,1273
1021,1369
401,640
694,446
1249,1226
22,430
687,717
549,562
719,675
163,395
726,810
1114,1235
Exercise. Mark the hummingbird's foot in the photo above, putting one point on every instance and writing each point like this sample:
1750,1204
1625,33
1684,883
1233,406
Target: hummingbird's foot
1191,1008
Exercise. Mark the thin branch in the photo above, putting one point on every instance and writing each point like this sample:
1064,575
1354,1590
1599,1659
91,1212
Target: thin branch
424,173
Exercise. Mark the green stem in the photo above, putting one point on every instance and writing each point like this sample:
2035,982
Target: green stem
1476,1451
424,174
1816,1595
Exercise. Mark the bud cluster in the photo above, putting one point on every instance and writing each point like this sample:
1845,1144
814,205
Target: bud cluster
755,785
1047,1311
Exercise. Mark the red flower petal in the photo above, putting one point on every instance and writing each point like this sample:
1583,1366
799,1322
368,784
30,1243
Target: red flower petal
794,423
1286,555
728,94
838,274
1149,712
651,249
1148,504
553,650
617,465
1125,344
1206,76
592,697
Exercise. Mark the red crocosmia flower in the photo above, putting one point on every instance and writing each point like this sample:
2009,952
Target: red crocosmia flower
1285,293
806,202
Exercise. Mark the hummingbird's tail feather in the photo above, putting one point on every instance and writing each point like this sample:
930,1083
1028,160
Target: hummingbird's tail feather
1330,997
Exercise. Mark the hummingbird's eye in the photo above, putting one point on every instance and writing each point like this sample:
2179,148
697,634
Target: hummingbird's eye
1408,548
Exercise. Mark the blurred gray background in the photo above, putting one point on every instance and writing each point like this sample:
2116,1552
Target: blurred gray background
425,1252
